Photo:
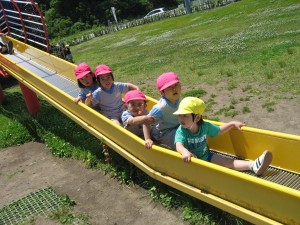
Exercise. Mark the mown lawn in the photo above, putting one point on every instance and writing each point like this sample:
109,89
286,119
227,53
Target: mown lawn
248,41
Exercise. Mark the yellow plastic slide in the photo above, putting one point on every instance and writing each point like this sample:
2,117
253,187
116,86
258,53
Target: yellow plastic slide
271,199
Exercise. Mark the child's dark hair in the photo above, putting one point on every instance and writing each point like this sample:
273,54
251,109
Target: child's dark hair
98,79
200,121
80,85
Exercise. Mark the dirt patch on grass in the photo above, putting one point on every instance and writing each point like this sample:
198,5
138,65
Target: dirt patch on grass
30,167
252,104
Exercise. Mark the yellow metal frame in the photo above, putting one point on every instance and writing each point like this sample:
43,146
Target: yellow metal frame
248,197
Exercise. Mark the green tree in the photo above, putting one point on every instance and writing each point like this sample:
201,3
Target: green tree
66,16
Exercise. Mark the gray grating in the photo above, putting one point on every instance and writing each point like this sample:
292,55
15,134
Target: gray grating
275,175
64,84
283,177
41,202
37,69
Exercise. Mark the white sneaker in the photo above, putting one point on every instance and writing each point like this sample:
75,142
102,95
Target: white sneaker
261,164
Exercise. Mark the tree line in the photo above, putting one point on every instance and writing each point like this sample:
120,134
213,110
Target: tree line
65,17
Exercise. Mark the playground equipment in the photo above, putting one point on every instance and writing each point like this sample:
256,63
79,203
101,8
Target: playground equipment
271,199
24,21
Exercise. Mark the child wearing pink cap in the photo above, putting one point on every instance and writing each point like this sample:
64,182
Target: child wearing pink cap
135,118
86,81
166,124
109,94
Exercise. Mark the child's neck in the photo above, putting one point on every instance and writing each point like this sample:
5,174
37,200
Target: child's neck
172,101
194,128
91,85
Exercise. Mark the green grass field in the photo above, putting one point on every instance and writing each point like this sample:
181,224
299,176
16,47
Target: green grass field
248,42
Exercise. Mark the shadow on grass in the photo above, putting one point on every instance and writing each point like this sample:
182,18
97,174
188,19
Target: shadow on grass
8,82
48,122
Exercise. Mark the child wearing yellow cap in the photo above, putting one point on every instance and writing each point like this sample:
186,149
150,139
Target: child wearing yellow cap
191,138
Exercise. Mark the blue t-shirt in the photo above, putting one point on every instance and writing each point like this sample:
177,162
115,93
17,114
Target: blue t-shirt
137,129
163,113
197,143
84,91
166,123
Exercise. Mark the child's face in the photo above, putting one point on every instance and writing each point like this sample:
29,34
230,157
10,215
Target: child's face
87,80
106,81
136,107
172,93
186,120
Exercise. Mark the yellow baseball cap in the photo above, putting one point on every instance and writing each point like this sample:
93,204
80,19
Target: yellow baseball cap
190,105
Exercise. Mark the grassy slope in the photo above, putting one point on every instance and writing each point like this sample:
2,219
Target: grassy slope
245,41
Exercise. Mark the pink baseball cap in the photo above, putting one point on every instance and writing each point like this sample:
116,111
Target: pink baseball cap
82,69
134,95
102,69
166,80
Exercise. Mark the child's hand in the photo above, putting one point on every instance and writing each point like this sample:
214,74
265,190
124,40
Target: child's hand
238,124
148,143
186,156
228,126
149,120
78,99
88,99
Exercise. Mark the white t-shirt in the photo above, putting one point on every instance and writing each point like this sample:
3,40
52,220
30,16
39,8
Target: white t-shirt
110,101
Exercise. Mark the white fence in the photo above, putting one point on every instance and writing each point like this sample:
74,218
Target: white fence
206,4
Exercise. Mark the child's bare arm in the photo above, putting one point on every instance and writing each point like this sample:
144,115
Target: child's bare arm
88,100
132,87
141,119
228,126
186,154
148,140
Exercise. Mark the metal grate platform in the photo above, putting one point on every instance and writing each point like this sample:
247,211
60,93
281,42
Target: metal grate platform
273,174
40,202
283,177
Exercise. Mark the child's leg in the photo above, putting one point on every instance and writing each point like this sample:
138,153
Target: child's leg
259,166
7,48
7,45
167,139
236,164
3,49
10,47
